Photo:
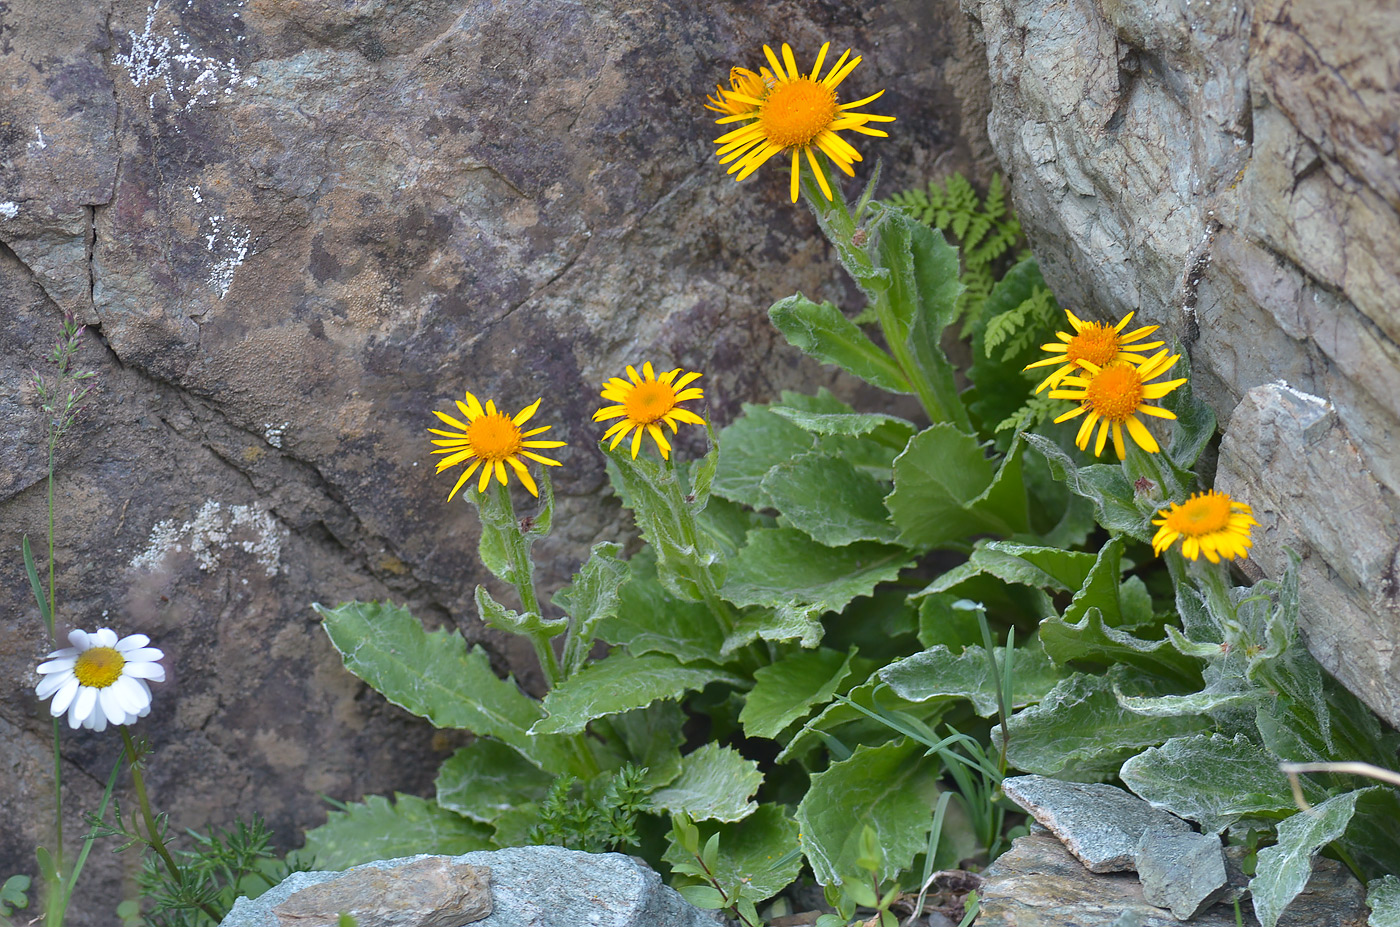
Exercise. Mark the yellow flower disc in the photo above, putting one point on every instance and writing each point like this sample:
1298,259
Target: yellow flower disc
1114,392
1113,396
797,112
1209,523
494,437
99,667
1096,343
1093,343
645,402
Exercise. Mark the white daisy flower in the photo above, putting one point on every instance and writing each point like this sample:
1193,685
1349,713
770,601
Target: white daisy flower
101,680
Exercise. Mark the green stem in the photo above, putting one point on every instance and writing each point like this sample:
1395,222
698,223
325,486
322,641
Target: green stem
53,641
153,839
843,224
523,571
709,592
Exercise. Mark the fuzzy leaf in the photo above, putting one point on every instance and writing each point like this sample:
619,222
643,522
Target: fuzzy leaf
784,569
829,500
621,682
1383,897
495,615
715,784
1212,780
1284,869
822,332
937,672
434,676
376,829
1102,484
783,691
945,490
890,788
756,442
596,588
886,429
1039,567
486,778
1079,732
747,851
648,620
1094,642
767,624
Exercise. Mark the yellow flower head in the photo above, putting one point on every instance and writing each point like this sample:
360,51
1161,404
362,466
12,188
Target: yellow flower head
1096,343
744,84
794,114
490,439
1209,523
645,403
1114,395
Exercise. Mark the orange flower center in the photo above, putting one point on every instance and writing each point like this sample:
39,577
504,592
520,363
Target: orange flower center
796,112
1096,343
649,401
494,437
99,667
1202,514
1115,392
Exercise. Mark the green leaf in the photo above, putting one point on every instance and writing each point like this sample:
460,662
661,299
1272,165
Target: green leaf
1383,897
1027,565
657,495
35,586
753,444
890,788
432,675
942,622
854,726
715,784
497,518
1195,420
1284,869
829,500
648,620
653,737
13,893
885,429
591,598
486,778
937,672
784,569
753,853
822,332
1104,485
495,615
1079,732
704,897
774,625
1212,780
785,690
376,829
621,682
945,490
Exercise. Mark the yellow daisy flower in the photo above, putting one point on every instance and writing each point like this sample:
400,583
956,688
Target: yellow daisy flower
744,84
494,440
1209,523
645,403
1114,395
797,114
1096,343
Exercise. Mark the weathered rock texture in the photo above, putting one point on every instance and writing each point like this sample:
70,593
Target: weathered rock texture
296,228
1228,168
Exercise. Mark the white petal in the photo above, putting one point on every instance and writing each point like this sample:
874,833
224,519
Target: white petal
51,684
109,703
145,671
78,639
96,722
105,637
143,655
65,652
83,706
64,698
57,666
132,641
131,696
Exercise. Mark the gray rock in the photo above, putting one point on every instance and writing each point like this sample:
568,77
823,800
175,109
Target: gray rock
1037,883
432,891
1183,872
1227,170
1100,824
530,887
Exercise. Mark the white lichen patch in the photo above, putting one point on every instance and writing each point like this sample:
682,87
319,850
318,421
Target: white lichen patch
274,433
215,530
9,210
231,244
1299,394
164,57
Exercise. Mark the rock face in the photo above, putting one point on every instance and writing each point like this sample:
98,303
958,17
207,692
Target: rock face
295,229
1228,169
529,887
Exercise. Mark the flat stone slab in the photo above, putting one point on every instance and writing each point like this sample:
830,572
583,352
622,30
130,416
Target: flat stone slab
1183,872
1100,824
1037,883
430,892
529,887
